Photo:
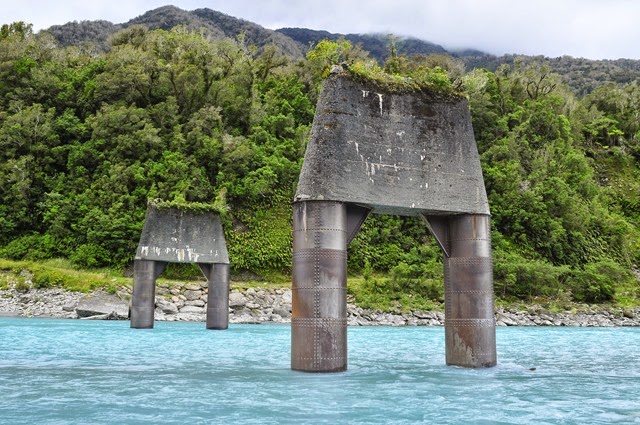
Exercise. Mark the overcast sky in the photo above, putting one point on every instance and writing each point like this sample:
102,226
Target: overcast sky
594,29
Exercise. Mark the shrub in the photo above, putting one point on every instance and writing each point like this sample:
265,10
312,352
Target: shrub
30,247
43,278
596,282
90,255
522,278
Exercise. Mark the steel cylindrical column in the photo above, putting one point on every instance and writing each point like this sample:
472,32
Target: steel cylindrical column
218,297
143,299
319,291
468,277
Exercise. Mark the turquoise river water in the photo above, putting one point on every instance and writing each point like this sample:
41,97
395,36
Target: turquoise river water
103,372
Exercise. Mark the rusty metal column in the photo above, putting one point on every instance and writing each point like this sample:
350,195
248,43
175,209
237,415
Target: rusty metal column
470,333
218,295
319,291
143,300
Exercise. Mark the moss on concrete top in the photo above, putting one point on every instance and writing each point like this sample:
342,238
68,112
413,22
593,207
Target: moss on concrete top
433,82
181,205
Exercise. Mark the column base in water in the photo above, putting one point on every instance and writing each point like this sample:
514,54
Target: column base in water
319,290
218,296
143,300
470,333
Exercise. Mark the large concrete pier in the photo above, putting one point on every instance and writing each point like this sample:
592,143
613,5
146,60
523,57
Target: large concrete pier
389,152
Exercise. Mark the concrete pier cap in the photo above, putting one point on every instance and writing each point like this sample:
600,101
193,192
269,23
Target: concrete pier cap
384,150
178,235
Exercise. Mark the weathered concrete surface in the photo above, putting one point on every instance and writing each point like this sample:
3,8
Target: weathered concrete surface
403,154
177,236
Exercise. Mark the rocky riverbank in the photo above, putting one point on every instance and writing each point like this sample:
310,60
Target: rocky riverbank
187,302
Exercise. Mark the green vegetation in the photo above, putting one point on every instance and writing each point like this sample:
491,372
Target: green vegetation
61,273
87,138
218,206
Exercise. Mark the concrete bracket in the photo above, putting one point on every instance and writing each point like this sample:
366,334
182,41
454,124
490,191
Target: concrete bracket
356,215
438,226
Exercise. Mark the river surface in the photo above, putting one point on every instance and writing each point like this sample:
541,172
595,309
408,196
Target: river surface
103,372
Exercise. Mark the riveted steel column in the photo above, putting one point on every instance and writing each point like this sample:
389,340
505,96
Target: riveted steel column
143,300
470,331
319,292
218,295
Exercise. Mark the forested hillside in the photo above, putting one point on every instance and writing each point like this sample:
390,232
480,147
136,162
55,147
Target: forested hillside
86,139
582,75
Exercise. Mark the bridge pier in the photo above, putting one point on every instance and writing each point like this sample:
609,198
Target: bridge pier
319,291
143,300
470,333
218,296
390,151
174,235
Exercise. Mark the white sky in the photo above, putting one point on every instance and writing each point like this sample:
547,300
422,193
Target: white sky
594,29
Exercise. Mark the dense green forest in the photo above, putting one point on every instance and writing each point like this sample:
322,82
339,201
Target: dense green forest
87,137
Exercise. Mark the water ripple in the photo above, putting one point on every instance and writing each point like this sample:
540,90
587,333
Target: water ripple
80,372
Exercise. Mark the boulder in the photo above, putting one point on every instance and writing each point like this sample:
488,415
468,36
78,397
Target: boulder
100,303
191,294
236,299
282,312
167,307
111,316
69,306
287,296
192,309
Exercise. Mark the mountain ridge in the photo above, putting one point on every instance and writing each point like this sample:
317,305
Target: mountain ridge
293,42
582,75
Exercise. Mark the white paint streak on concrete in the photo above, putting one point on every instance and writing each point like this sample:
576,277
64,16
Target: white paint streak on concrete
144,250
192,255
380,100
365,93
